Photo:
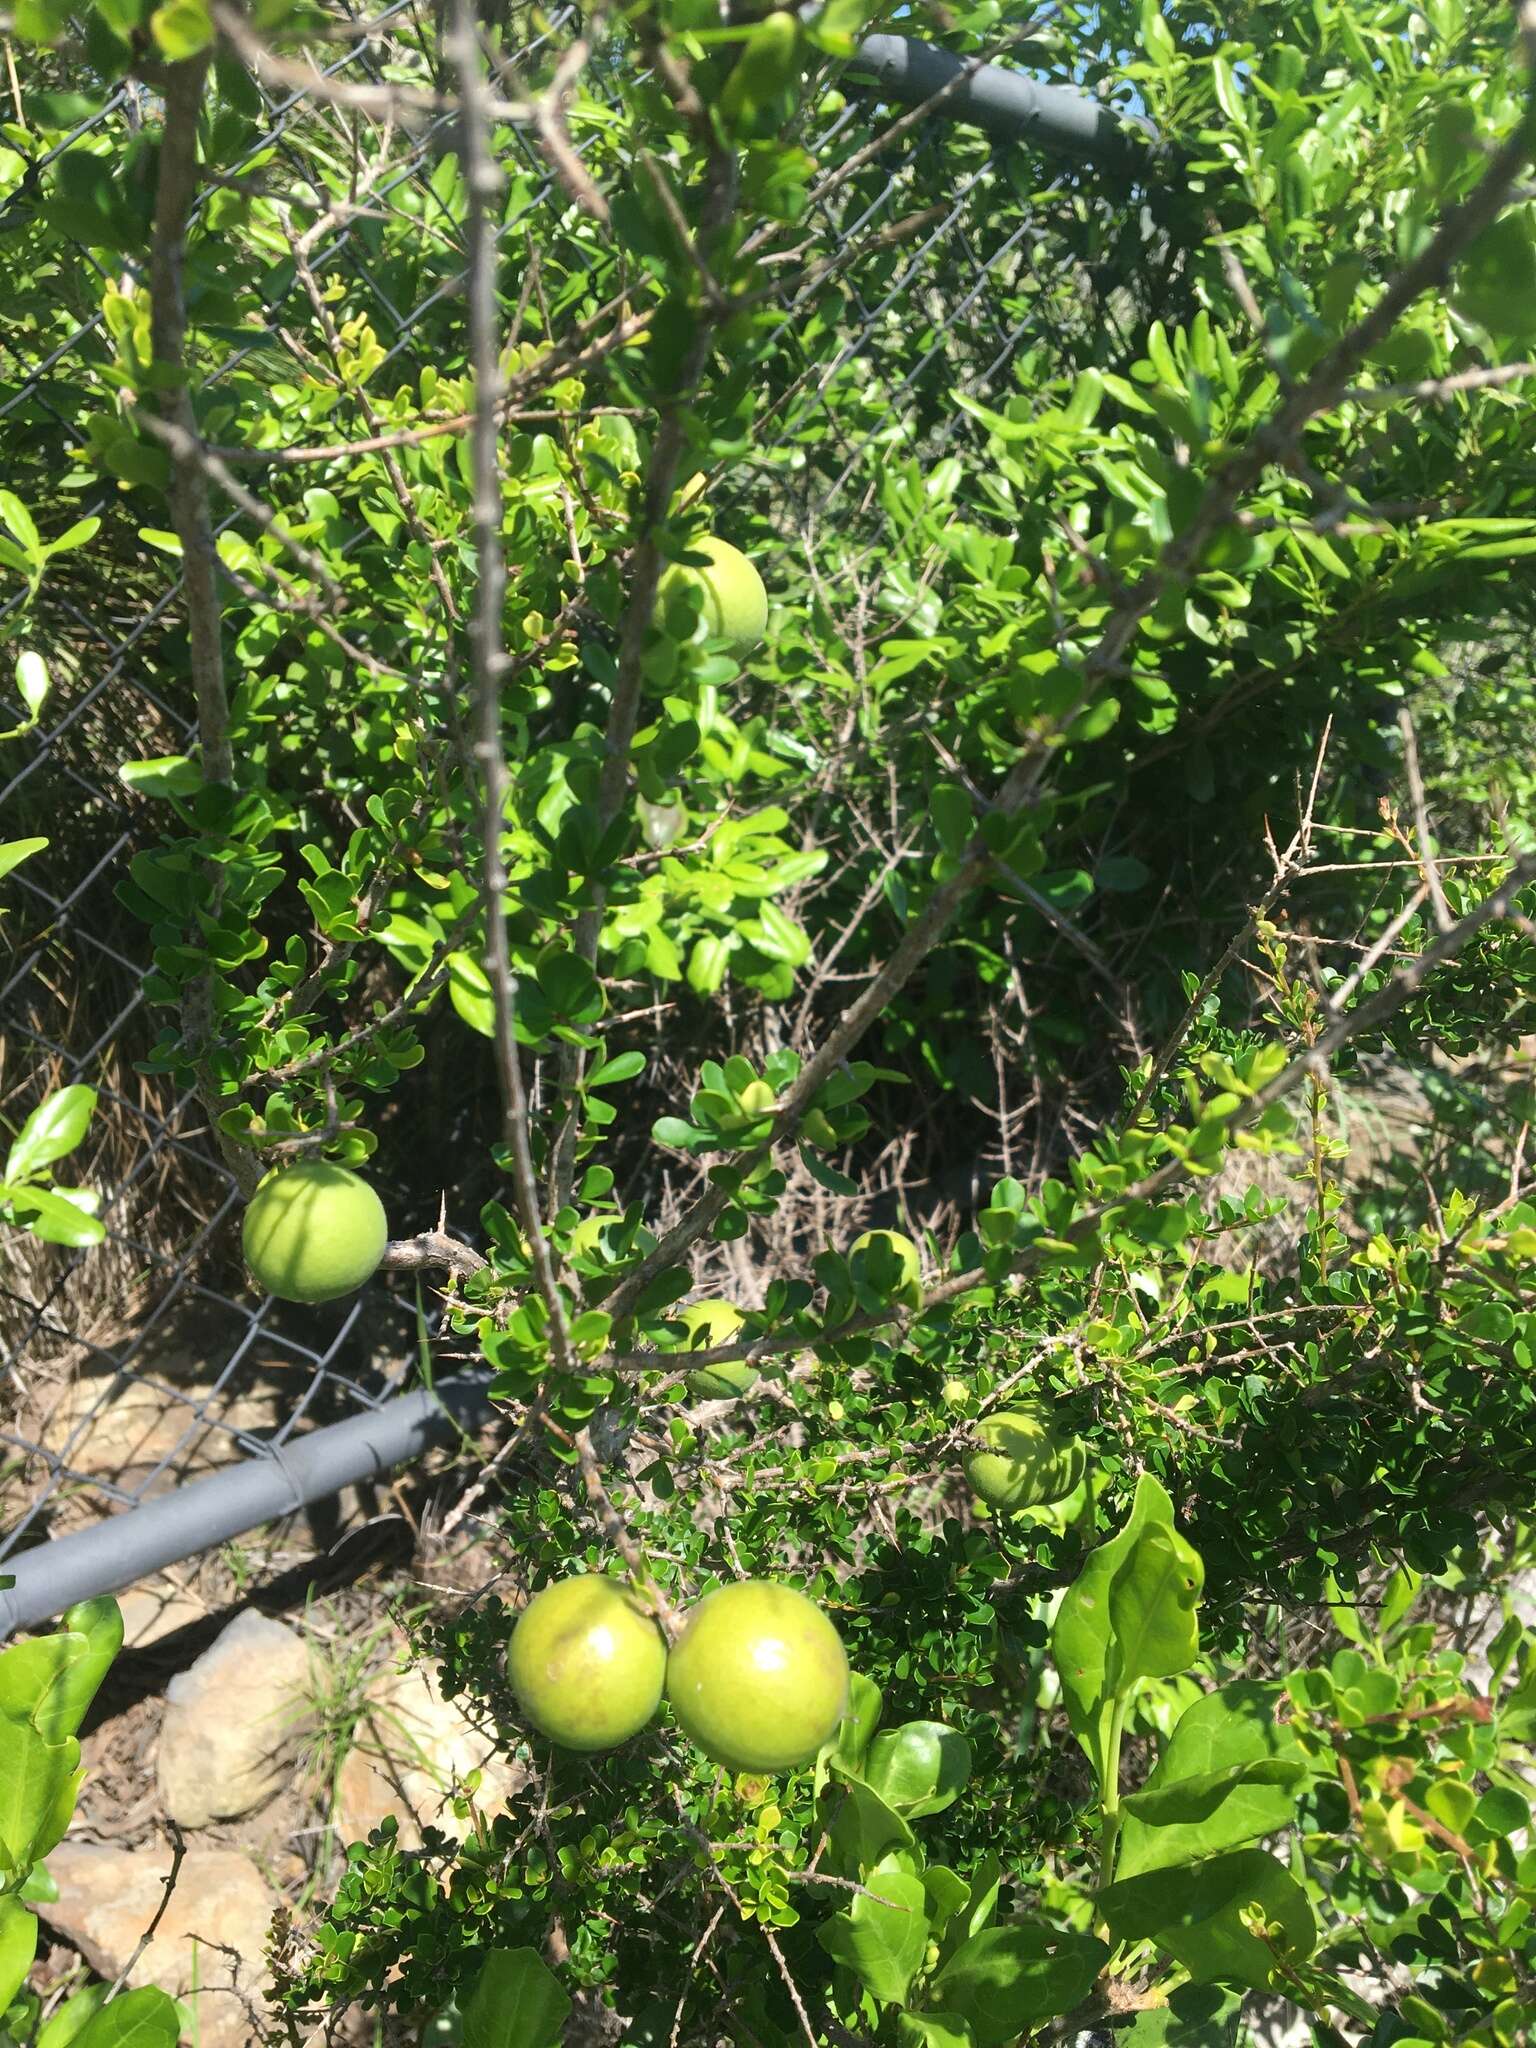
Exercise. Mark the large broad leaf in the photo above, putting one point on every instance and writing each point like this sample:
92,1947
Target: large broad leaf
919,1768
883,1935
977,1911
1230,1774
38,1783
1006,1980
1196,2016
933,2030
947,1894
864,1829
848,1745
1195,1817
69,2022
18,1945
517,2002
56,1215
1152,1602
55,1127
50,1681
1130,1615
146,2018
1196,1914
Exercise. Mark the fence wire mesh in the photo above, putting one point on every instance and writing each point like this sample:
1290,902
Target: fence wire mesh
927,267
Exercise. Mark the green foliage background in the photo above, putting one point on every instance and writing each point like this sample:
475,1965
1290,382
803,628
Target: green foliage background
962,405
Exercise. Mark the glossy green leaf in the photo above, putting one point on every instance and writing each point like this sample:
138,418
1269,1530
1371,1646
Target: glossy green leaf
1197,1913
146,2018
53,1129
517,2002
1229,1774
881,1938
1006,1980
919,1768
18,1945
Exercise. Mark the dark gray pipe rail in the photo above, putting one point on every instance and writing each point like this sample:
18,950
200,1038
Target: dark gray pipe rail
1007,104
230,1503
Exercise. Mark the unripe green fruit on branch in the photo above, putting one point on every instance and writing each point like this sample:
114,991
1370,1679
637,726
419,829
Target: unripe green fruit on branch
758,1678
709,1323
1025,1462
887,1246
587,1663
734,604
313,1232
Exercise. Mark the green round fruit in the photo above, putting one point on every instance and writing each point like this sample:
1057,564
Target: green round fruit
954,1393
910,1287
587,1663
734,604
758,1678
709,1323
1025,1462
313,1232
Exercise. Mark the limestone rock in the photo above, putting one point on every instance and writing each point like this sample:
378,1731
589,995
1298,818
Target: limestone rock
409,1748
233,1721
155,1609
212,1935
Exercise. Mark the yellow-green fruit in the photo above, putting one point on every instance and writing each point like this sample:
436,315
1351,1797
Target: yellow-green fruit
1025,1462
587,1663
758,1678
903,1250
734,604
954,1393
313,1232
709,1323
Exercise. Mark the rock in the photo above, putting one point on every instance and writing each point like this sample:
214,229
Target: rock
150,1438
233,1721
410,1745
212,1936
155,1609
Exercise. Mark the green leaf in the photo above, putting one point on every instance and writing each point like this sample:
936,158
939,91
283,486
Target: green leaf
882,1939
54,1128
933,2030
1006,1980
50,1681
848,1746
622,1067
146,2018
1196,1913
51,1214
14,851
919,1768
1197,1816
1196,2016
1130,1614
66,2025
181,28
38,1781
18,1945
469,991
1152,1601
163,775
1229,1774
865,1829
517,2002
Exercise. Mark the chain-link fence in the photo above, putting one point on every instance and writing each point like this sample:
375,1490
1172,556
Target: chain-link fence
928,262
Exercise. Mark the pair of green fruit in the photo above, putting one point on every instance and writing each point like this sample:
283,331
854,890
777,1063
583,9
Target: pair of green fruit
758,1677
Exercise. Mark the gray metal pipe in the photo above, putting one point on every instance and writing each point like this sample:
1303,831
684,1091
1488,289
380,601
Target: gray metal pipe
197,1517
1005,103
